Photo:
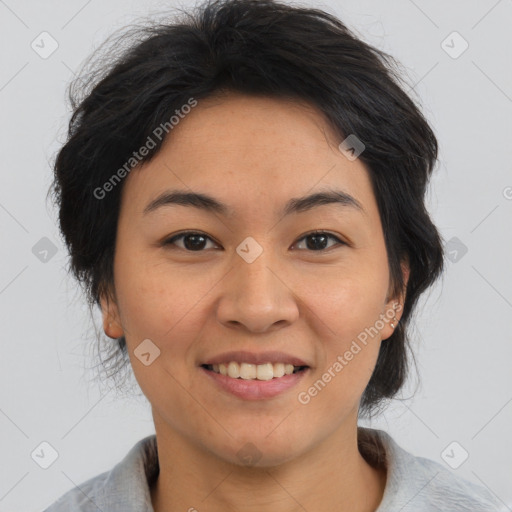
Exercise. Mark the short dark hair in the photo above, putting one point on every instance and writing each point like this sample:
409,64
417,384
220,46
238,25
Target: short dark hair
262,48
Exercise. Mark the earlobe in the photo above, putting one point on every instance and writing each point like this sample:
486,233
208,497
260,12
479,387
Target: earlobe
395,307
111,321
391,318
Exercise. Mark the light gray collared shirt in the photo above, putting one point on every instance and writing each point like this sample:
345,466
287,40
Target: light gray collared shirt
414,484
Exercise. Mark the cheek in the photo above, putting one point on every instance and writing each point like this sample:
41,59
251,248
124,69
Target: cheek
160,308
155,300
356,313
350,302
352,311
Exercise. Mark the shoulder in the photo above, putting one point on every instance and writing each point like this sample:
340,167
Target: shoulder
126,487
419,484
84,497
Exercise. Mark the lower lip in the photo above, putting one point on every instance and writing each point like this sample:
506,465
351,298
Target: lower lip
255,389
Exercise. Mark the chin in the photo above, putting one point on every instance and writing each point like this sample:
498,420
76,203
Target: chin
260,451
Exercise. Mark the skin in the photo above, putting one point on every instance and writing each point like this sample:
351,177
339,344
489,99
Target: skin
253,154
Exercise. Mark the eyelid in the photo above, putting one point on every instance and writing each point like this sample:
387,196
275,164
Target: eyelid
322,232
177,236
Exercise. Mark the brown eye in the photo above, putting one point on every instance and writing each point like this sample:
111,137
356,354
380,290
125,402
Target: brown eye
318,240
192,241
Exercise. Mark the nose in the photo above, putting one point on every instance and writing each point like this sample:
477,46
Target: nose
257,296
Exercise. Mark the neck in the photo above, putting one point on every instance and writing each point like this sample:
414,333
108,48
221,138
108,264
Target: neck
333,476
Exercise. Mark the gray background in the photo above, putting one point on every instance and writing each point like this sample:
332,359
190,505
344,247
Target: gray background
462,334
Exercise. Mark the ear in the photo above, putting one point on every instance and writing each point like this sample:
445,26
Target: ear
111,319
394,307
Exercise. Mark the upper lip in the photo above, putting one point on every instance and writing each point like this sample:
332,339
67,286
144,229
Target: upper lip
243,356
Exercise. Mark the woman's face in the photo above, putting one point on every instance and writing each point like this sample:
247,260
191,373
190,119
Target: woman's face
253,280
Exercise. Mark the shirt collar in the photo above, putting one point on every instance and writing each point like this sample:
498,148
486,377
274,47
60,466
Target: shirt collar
127,486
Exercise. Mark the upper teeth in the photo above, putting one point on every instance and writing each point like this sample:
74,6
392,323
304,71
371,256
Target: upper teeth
249,371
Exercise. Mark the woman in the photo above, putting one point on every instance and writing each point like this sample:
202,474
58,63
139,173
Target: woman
242,193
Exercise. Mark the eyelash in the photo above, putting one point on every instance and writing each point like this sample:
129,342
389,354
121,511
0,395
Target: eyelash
173,239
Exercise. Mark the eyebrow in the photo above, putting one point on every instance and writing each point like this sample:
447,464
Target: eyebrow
294,205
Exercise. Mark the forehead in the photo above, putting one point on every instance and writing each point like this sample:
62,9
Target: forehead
253,123
242,148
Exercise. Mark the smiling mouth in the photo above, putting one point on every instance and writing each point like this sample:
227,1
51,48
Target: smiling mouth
246,371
